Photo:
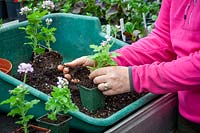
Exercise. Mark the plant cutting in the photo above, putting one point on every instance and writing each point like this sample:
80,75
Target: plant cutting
36,31
18,104
60,102
103,57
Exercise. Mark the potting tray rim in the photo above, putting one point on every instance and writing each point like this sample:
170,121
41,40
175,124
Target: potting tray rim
95,121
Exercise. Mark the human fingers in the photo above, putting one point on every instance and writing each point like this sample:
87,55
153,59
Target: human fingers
68,76
104,86
82,61
100,79
99,72
60,67
65,70
110,92
115,81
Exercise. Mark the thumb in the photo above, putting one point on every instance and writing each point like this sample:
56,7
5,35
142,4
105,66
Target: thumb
77,62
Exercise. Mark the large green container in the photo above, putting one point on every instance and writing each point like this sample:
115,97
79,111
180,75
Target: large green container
74,35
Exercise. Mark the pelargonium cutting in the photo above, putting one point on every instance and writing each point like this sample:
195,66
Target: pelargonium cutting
39,34
25,68
60,100
18,104
102,55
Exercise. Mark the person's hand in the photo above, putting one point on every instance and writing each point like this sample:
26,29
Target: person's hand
82,61
111,80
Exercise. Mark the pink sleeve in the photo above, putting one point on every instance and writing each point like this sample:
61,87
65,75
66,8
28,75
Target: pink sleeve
154,65
154,47
177,75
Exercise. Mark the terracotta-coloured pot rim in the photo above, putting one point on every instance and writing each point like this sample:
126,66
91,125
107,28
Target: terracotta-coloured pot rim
5,65
36,127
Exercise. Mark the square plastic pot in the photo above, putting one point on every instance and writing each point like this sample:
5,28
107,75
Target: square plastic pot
55,128
74,34
91,98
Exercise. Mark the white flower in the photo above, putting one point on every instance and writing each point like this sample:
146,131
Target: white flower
49,21
20,86
108,38
48,5
117,26
103,43
62,82
25,68
25,10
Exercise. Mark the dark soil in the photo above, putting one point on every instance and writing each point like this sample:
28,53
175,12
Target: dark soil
45,71
60,119
82,73
45,75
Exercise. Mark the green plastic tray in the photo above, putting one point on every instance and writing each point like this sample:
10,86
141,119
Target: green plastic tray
74,35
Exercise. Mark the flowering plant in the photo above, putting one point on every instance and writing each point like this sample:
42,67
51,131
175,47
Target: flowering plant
101,55
60,100
36,32
17,101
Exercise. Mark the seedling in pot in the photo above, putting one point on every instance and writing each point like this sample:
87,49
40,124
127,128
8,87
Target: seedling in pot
18,104
102,55
58,105
60,100
38,33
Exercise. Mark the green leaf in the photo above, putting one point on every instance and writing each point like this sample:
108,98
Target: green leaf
39,50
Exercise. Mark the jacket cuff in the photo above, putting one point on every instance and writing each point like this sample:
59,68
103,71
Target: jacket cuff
130,79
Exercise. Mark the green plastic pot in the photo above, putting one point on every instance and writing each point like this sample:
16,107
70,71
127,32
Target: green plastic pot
91,98
74,34
62,127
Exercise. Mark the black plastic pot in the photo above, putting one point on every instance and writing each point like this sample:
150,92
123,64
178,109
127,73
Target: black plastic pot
3,13
91,98
62,127
12,8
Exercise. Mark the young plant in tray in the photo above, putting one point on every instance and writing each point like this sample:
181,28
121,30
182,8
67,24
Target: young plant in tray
92,98
102,55
18,104
38,33
60,102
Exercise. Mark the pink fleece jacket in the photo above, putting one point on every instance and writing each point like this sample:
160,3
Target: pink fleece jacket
168,60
